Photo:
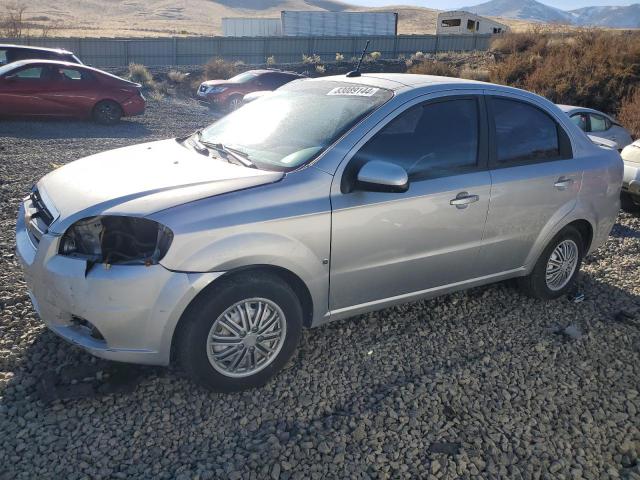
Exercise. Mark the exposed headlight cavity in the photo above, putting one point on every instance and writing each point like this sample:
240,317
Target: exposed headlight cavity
117,240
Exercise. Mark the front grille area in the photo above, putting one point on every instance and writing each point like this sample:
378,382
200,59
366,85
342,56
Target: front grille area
36,216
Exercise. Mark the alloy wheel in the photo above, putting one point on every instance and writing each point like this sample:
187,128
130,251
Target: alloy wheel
235,103
246,337
561,265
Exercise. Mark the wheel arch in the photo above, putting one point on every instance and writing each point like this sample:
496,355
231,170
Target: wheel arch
108,99
585,228
287,276
586,232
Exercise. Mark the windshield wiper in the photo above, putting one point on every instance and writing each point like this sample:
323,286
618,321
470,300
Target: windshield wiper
193,141
241,158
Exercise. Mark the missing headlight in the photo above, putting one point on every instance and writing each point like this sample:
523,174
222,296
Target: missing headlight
117,240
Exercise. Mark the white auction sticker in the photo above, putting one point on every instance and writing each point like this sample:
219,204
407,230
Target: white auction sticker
354,91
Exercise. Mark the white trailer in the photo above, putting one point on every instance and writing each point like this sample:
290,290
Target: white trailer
251,27
467,23
338,24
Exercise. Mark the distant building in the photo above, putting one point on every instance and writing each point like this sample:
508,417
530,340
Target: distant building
313,24
251,27
461,23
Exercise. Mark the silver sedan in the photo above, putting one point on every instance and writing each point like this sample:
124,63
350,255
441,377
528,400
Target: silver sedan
326,199
598,124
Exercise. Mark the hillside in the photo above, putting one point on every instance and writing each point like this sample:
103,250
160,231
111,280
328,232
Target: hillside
532,10
136,18
614,17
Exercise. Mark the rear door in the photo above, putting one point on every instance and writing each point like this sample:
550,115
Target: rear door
71,91
535,181
392,244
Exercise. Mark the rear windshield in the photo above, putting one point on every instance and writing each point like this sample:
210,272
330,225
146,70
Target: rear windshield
293,125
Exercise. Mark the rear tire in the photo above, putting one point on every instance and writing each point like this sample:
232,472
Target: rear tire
107,112
557,268
240,333
629,203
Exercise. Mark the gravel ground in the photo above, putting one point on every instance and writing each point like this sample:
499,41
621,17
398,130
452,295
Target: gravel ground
482,384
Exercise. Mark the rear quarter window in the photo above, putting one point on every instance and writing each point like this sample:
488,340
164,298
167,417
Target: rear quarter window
3,57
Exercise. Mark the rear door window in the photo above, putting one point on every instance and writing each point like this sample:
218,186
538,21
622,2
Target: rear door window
271,81
599,123
526,134
3,57
75,75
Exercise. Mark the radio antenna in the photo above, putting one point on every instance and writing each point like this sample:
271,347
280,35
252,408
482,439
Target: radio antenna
356,72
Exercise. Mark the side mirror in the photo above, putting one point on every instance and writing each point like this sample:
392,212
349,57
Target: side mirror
380,176
10,78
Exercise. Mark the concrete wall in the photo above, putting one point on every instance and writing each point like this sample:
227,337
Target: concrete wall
104,52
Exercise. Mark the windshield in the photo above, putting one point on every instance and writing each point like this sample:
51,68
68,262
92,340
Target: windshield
294,124
243,77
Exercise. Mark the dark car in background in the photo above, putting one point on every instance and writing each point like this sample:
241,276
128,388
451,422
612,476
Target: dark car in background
41,88
14,53
229,94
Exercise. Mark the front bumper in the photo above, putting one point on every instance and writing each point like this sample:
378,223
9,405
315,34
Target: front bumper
214,100
134,308
631,179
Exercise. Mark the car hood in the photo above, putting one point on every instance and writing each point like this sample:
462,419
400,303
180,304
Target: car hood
141,180
631,153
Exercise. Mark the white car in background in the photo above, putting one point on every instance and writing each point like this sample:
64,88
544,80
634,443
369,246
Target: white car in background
631,181
598,124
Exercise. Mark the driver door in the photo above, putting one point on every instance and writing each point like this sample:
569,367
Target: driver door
21,90
387,244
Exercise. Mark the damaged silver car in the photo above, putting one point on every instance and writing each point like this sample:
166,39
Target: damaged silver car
323,200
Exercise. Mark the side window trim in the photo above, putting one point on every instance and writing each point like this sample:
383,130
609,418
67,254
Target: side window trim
483,134
564,141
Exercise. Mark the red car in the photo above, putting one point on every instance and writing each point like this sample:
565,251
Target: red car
228,94
63,89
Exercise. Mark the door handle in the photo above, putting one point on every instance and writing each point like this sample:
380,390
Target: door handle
563,183
463,199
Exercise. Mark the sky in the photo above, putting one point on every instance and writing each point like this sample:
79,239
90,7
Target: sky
450,4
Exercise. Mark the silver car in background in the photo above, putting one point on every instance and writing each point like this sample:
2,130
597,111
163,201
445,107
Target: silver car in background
631,181
598,124
326,199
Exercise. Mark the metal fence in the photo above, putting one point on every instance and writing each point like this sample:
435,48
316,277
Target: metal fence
107,52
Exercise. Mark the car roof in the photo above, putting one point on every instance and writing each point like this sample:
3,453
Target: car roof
272,70
397,81
59,63
573,109
42,49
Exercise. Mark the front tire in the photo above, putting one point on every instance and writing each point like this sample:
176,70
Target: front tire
107,112
240,333
557,268
234,103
